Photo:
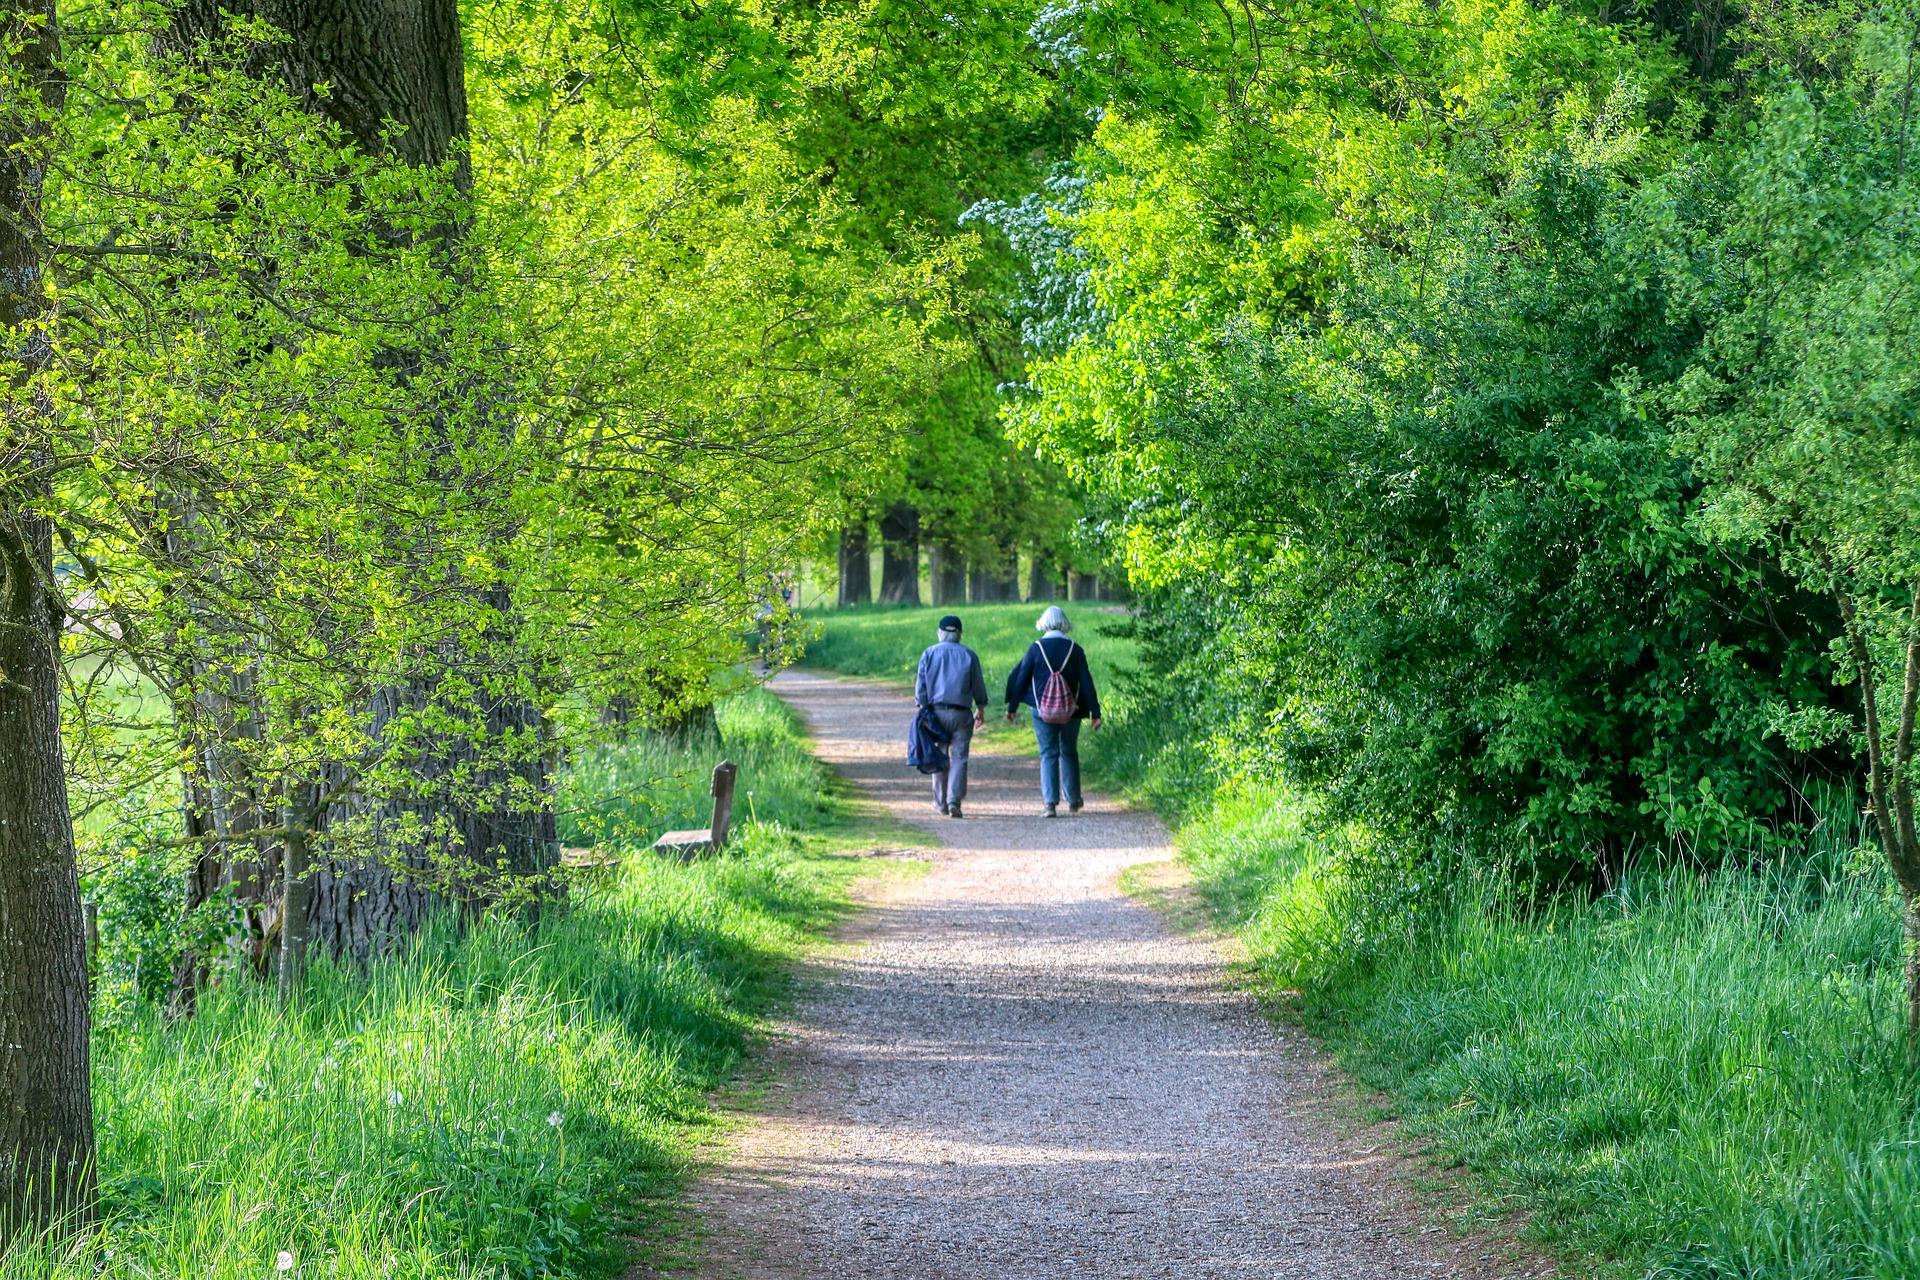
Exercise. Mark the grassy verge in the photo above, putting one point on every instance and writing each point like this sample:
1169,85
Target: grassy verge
623,797
502,1102
1691,1077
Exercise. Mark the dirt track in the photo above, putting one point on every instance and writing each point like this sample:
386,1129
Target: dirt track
1019,1072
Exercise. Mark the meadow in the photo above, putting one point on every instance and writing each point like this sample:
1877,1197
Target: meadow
504,1100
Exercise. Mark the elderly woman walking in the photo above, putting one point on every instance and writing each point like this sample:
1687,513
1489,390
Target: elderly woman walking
1053,679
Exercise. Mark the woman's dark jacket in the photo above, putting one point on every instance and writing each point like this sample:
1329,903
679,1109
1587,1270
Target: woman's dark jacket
1066,657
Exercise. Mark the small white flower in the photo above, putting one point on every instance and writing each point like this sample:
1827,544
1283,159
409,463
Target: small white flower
259,1083
395,1098
284,1262
557,1119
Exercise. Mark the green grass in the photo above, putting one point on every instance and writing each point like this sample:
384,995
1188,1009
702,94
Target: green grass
1692,1077
888,642
502,1102
624,797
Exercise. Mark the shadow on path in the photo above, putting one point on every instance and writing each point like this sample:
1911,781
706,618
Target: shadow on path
1019,1072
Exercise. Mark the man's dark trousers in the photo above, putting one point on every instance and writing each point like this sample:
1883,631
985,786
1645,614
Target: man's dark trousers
950,788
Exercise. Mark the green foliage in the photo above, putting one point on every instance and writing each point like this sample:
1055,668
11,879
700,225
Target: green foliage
530,428
1693,1077
1380,407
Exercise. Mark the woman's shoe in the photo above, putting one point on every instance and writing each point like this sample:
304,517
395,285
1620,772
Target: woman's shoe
1053,811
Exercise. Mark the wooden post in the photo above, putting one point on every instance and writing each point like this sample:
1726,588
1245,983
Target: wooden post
687,845
725,774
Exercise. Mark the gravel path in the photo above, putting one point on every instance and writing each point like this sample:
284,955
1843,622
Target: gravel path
1017,1071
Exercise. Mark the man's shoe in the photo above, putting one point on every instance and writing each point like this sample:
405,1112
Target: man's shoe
1053,811
953,811
941,807
1075,807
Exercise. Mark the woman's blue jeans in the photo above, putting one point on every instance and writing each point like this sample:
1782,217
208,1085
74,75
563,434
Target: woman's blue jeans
1059,760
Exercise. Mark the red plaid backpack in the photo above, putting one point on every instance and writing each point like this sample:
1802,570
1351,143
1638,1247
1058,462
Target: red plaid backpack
1057,703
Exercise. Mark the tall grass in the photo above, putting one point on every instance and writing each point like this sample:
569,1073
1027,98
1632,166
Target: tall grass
503,1101
1690,1077
624,796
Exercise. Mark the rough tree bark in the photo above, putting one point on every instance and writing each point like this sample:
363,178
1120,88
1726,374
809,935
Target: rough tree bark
46,1128
856,569
395,83
1890,779
900,555
297,888
383,61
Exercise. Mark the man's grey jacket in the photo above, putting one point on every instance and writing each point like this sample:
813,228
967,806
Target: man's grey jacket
950,676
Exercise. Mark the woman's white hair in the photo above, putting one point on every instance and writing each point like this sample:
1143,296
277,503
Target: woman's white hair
1054,619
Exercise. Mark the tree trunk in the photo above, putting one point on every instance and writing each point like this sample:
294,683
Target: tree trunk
192,971
1911,901
296,894
470,812
1890,781
856,569
1040,583
984,586
617,715
900,555
947,573
44,1017
46,1130
383,62
1082,586
224,717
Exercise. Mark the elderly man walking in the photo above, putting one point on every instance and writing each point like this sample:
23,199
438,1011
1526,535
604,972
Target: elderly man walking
950,682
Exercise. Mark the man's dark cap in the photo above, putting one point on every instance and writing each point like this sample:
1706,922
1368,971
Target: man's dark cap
950,623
